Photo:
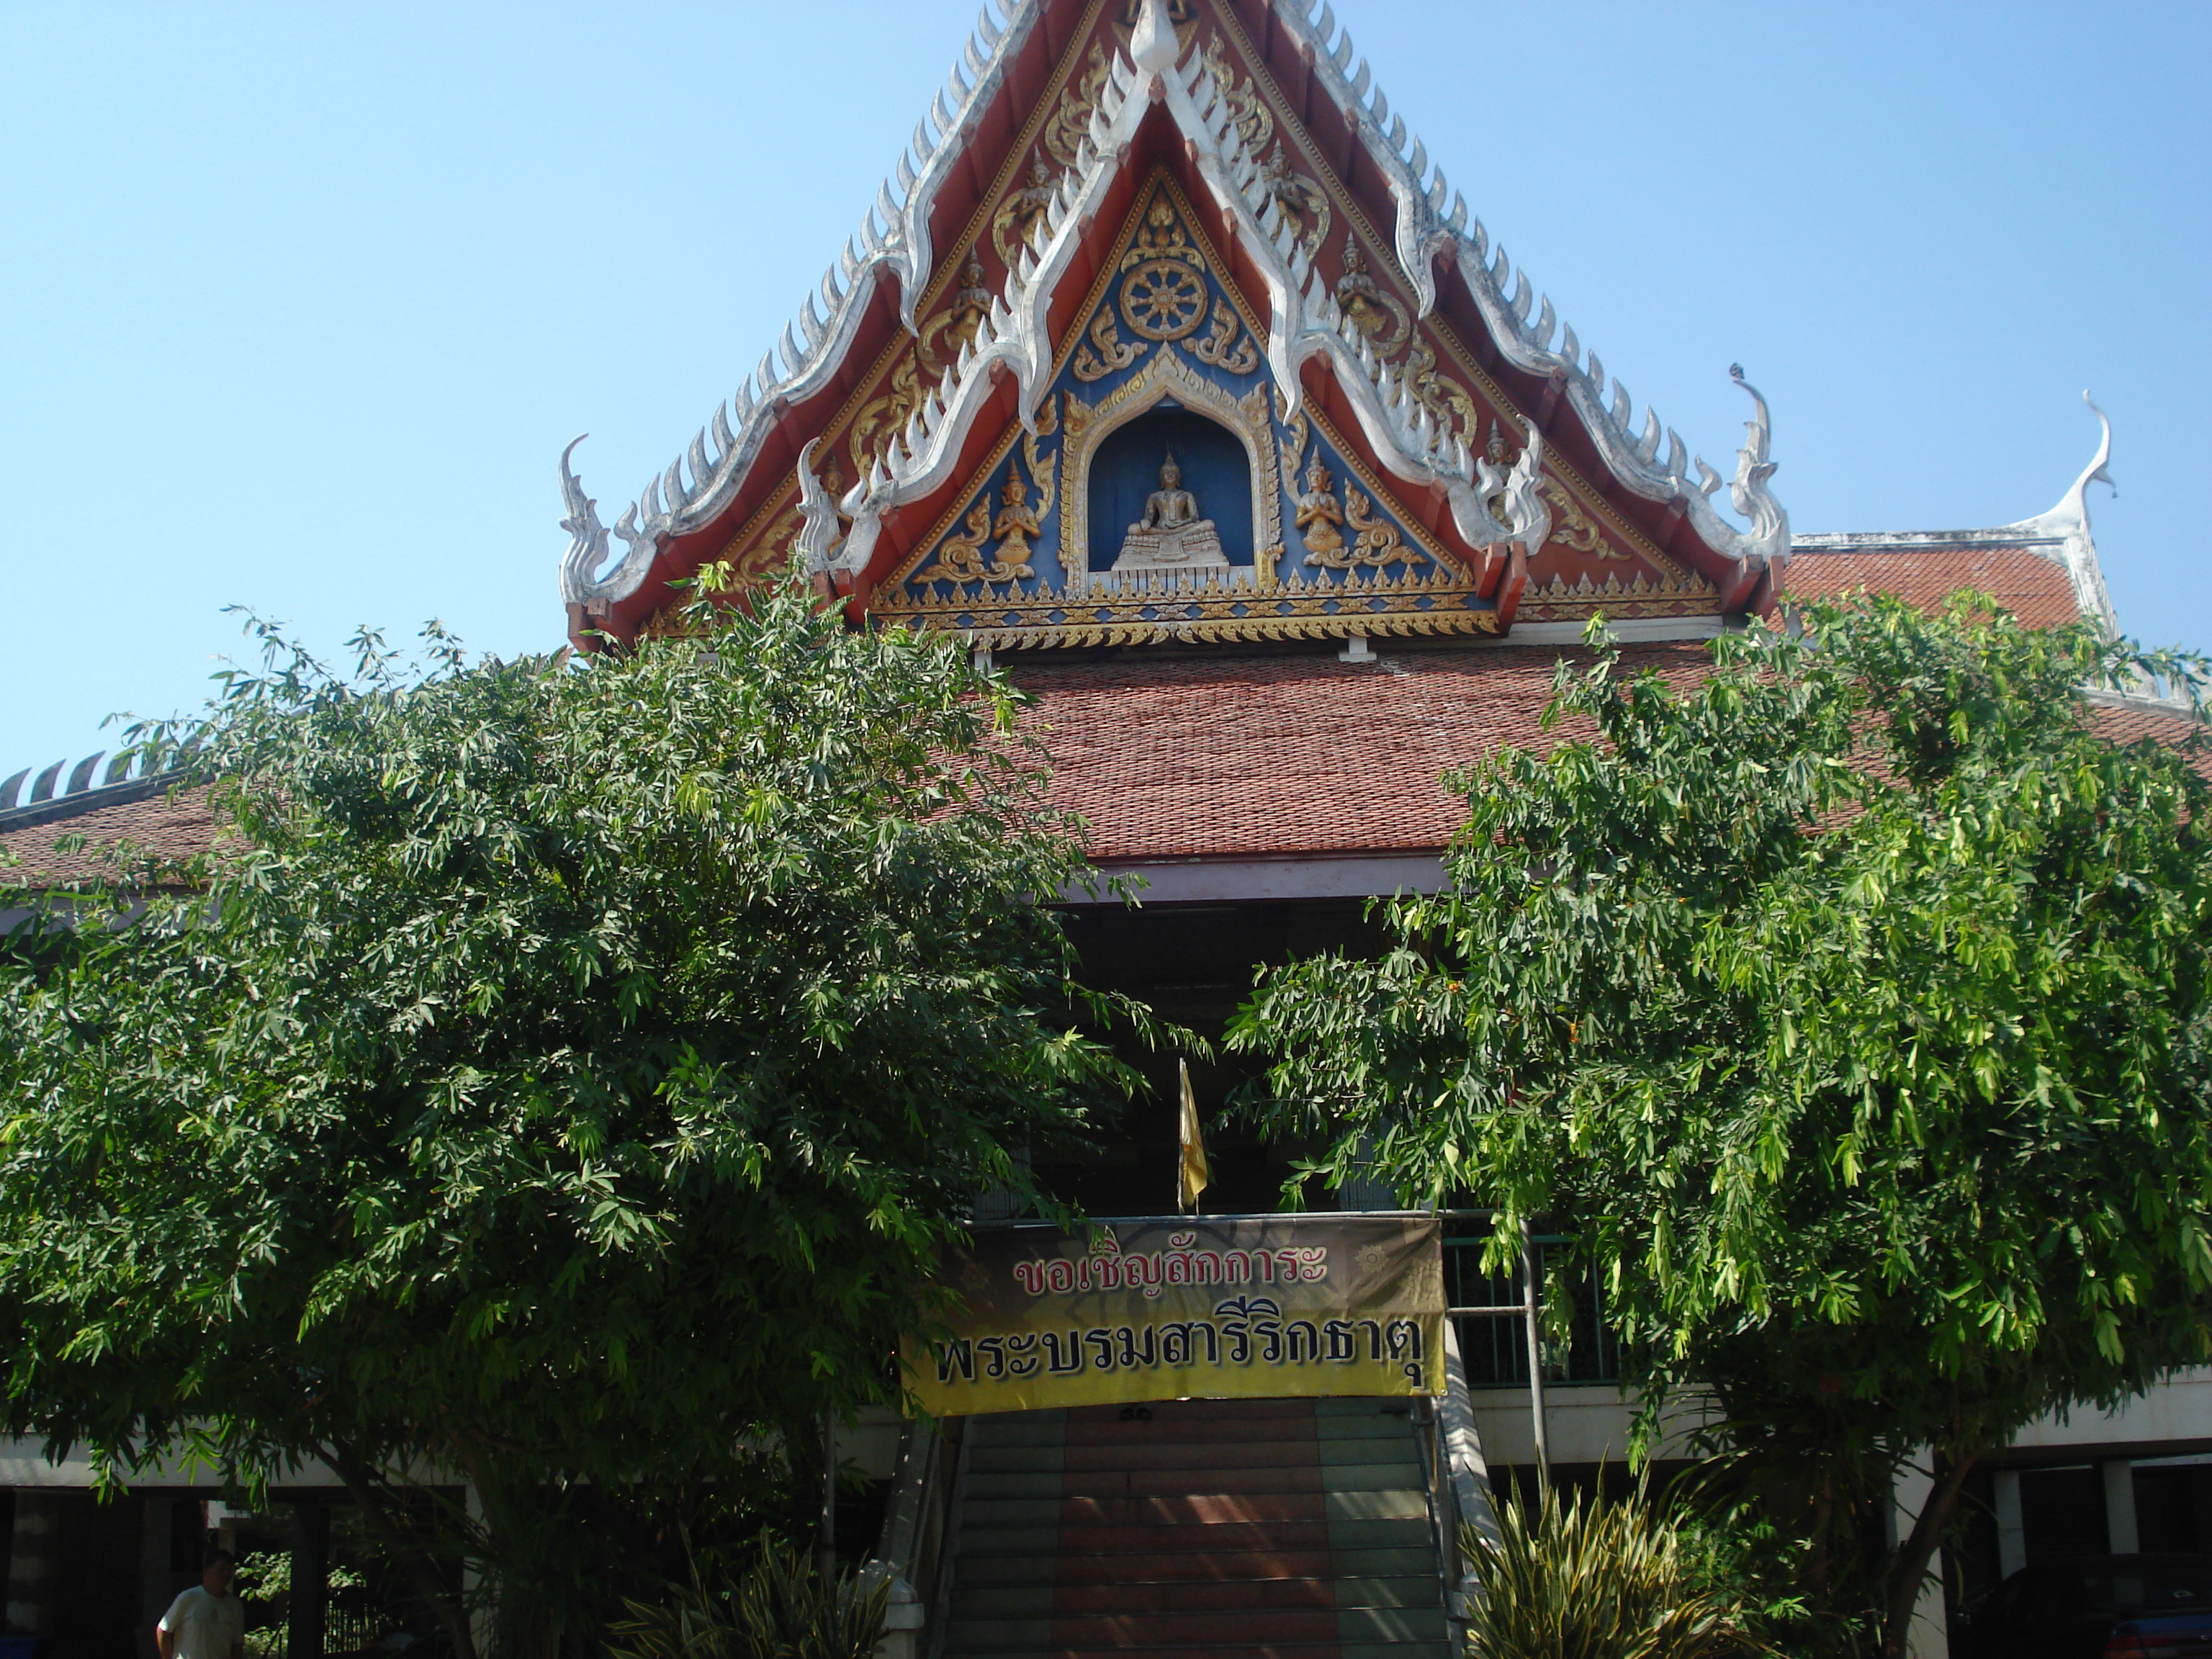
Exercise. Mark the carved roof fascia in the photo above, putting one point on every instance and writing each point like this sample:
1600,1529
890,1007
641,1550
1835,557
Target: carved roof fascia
1432,221
894,237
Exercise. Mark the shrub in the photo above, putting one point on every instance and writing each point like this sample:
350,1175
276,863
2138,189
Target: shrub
779,1608
1577,1579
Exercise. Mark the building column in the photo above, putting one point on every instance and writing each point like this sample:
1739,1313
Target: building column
310,1580
154,1546
2012,1526
2120,1508
33,1553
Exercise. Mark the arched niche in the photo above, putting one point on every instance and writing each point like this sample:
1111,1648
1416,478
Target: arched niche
1125,469
1170,385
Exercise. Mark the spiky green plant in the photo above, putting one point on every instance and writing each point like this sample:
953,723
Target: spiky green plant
1573,1578
779,1608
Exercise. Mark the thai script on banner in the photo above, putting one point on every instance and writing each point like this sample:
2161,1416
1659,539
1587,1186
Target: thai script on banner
1104,1268
1242,1308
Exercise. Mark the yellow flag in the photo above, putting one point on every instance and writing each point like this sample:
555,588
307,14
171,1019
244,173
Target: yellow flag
1191,1182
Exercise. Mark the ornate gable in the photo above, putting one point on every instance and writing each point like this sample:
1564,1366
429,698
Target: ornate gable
1145,246
1165,351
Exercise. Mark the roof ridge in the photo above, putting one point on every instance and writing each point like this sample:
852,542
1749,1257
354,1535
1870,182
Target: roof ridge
50,799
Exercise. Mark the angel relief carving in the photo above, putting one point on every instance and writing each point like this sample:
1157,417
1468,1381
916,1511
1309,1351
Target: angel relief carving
1297,198
1375,542
961,557
1320,519
1023,211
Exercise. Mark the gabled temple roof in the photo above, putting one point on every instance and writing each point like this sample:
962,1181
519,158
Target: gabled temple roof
1214,86
2043,569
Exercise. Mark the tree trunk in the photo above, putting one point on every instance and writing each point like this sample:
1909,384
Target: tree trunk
1902,1593
369,1497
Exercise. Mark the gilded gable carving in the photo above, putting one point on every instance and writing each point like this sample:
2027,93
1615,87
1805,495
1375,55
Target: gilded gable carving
1163,338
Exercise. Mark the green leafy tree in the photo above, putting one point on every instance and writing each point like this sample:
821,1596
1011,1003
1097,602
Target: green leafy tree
563,1076
1848,1009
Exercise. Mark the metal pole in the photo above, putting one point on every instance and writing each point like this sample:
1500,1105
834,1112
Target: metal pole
1534,1304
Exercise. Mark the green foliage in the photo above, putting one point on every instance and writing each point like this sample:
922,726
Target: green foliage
1849,1010
1577,1576
267,1574
778,1608
567,1068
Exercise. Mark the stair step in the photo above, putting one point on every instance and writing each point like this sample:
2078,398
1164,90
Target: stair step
1130,1540
1195,1509
1221,1430
1152,1630
1221,1595
1199,1411
1200,1529
1409,1649
1144,1630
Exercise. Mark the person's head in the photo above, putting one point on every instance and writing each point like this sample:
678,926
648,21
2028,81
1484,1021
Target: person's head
217,1569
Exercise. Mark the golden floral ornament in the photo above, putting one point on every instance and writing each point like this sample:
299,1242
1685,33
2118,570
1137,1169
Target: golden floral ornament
1162,236
1642,595
1228,344
1254,126
1070,126
1380,603
1104,352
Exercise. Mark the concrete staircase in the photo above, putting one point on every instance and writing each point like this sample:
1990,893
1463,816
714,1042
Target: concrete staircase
1245,1528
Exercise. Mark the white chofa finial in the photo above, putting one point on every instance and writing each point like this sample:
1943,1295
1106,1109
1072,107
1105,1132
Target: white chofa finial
2095,472
1153,44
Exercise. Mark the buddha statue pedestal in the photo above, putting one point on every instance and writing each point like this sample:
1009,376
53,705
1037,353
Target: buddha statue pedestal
1170,542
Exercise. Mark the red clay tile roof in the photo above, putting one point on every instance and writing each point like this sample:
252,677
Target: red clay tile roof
1246,757
1231,757
2133,725
2034,589
155,826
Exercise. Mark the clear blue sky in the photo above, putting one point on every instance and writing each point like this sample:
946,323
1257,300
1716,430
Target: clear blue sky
298,303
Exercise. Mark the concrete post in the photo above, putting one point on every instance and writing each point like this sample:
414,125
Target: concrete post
2012,1525
32,1557
2120,1531
311,1575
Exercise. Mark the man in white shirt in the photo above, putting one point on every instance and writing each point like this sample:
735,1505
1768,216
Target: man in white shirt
206,1621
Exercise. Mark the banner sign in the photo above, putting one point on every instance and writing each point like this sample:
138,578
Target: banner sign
1252,1308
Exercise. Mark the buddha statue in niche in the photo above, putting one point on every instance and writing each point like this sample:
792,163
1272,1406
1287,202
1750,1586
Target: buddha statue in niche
1171,535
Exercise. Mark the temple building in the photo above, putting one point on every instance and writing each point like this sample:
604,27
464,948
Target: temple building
1170,375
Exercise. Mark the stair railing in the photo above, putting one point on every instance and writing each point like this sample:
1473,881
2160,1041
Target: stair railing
1459,1481
910,1553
